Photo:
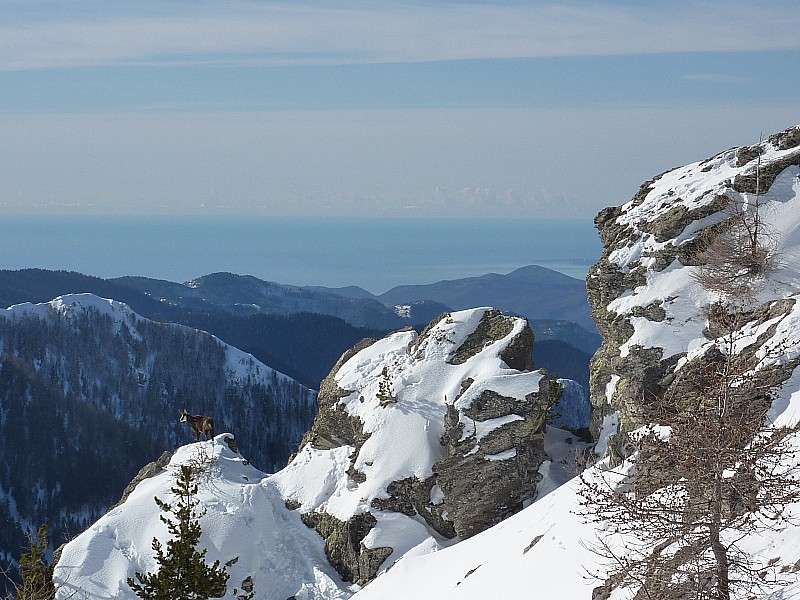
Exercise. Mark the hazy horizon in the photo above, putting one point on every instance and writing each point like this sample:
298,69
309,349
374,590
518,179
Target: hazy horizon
376,254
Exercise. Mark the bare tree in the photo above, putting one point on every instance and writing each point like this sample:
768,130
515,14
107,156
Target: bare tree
737,254
710,474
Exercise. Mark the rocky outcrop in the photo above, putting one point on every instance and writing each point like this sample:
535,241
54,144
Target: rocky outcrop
644,291
487,476
436,433
147,471
344,544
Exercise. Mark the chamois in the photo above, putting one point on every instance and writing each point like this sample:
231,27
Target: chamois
199,424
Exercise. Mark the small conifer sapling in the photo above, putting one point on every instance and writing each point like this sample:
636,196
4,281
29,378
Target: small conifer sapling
183,573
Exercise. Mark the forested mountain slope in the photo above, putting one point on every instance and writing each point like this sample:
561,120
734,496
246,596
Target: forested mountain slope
90,391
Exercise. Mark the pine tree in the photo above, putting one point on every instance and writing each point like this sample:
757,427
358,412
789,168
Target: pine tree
183,573
34,570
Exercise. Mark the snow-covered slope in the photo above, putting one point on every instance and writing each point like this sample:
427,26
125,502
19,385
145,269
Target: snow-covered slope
239,366
245,521
543,551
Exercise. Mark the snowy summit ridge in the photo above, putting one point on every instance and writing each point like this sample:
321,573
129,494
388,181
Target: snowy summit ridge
644,292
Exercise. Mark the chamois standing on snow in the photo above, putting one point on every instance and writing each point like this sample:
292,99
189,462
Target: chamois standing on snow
199,424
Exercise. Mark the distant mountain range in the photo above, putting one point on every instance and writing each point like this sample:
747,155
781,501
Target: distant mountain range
247,295
302,331
533,292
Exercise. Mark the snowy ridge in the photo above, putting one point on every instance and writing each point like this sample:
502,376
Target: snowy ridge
239,365
690,189
245,519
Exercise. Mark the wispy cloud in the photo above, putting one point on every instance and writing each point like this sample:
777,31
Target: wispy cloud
42,34
720,78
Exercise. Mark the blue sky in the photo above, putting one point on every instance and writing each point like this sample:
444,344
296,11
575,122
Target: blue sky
503,108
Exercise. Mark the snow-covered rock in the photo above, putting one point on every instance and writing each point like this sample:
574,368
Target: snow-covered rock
644,293
420,438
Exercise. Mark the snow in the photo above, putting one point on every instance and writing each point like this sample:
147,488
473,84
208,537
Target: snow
71,304
548,549
246,509
611,387
504,455
245,518
680,296
674,288
609,427
505,561
480,429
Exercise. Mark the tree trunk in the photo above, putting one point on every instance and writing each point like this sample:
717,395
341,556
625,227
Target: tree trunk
722,586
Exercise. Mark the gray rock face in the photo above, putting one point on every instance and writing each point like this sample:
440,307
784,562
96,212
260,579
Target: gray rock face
645,300
486,479
145,472
485,458
344,544
494,326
